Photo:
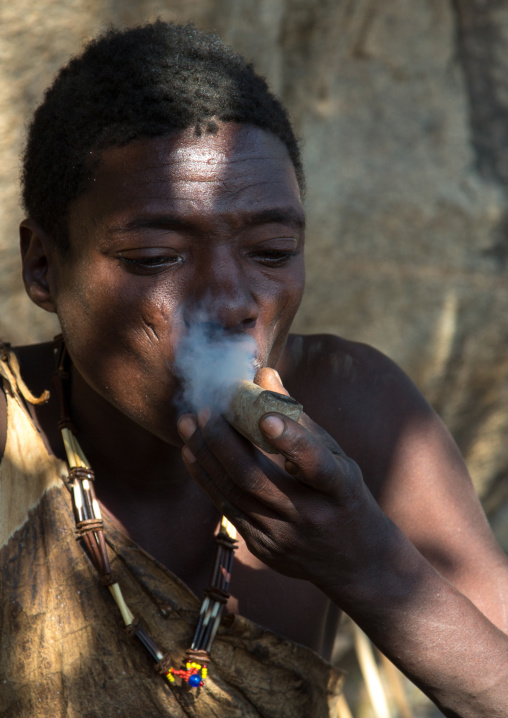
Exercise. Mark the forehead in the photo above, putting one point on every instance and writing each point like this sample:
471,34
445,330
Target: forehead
239,169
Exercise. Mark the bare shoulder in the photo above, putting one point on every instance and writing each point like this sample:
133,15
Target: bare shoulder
338,360
371,408
359,395
408,458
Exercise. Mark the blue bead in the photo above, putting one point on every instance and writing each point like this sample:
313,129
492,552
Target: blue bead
194,680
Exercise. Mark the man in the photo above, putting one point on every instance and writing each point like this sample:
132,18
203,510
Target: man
161,177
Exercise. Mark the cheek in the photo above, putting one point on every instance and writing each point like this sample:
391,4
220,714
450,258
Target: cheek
283,306
289,294
110,306
122,336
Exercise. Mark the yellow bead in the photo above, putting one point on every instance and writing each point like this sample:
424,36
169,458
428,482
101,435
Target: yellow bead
187,666
204,673
170,677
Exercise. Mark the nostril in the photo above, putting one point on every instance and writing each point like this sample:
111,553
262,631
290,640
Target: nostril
219,313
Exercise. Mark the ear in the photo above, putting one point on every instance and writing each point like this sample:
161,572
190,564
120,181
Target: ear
37,250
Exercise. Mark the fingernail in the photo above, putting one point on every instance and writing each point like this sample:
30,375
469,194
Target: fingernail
188,455
272,425
186,426
203,416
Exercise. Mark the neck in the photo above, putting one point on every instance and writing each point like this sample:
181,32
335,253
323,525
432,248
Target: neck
120,451
140,479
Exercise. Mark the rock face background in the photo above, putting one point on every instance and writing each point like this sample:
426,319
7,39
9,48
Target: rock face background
403,111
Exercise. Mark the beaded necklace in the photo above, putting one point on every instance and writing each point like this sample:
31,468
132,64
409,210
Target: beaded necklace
90,528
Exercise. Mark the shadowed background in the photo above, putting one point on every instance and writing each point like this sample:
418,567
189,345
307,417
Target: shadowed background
402,109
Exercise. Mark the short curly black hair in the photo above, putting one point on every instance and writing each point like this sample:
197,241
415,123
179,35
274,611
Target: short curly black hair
140,82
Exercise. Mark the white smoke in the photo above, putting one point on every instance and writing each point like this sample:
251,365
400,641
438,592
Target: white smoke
209,361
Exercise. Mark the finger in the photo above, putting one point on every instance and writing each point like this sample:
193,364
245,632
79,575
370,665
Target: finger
321,434
242,508
254,528
202,477
317,465
207,446
247,473
196,450
269,379
223,503
186,426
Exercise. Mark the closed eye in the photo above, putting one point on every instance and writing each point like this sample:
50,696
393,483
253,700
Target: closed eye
273,257
150,264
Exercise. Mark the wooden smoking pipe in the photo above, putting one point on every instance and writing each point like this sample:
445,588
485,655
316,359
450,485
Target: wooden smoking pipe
249,402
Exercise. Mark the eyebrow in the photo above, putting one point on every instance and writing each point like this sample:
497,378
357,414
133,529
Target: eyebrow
278,215
286,215
163,221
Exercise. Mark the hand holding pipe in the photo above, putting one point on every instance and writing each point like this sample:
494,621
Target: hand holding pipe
249,402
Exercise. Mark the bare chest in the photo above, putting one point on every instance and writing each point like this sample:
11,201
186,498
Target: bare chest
293,608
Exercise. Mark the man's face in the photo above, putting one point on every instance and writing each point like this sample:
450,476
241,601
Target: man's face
169,226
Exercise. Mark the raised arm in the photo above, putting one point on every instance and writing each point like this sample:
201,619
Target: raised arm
319,521
416,473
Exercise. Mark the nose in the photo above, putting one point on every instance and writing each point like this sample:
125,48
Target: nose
222,296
